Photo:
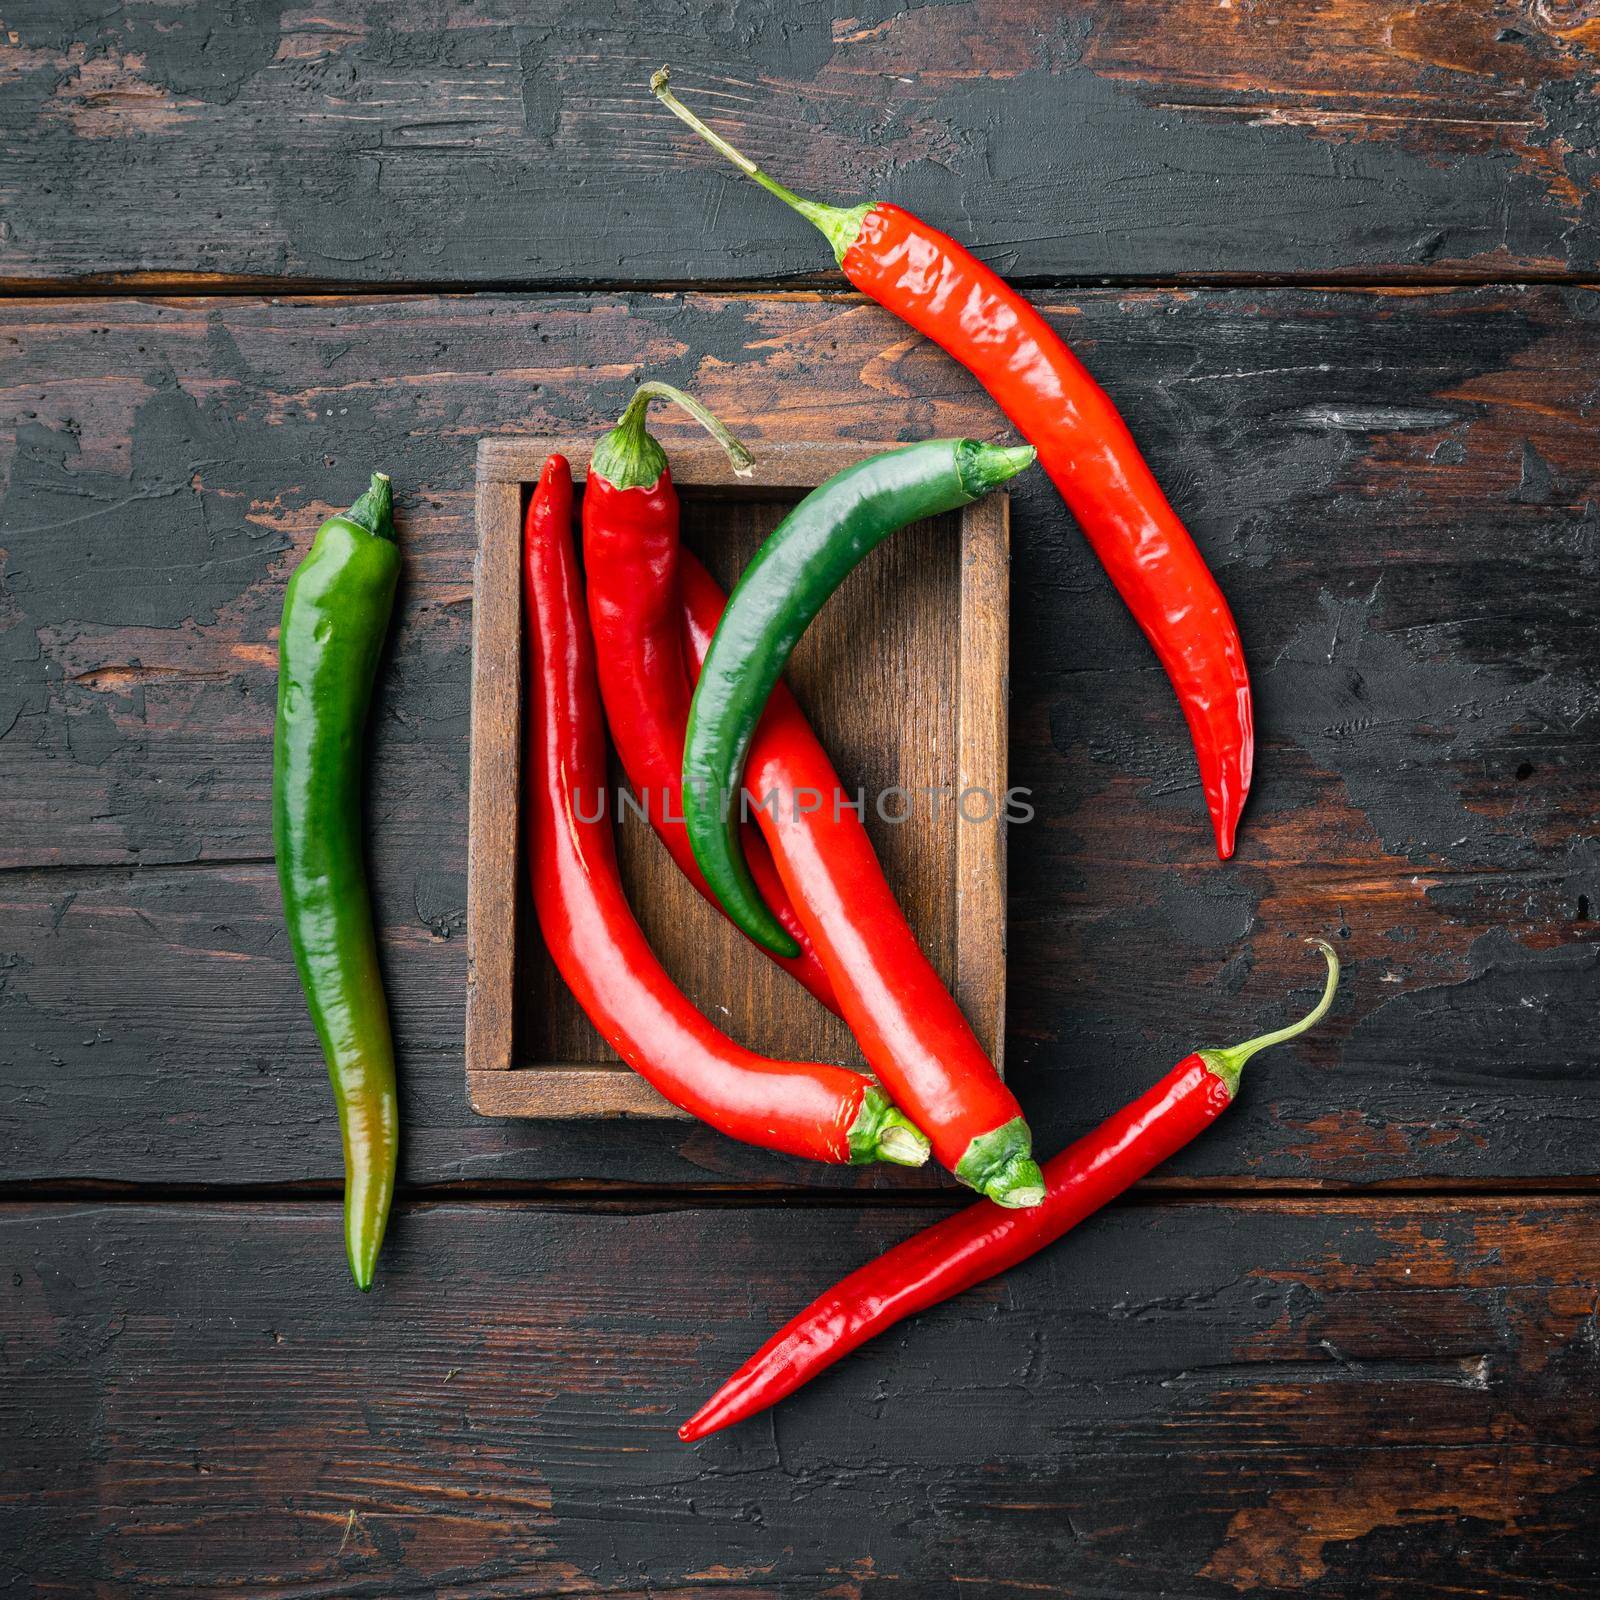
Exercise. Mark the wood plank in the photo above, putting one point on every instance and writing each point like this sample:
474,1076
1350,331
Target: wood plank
492,830
1397,490
516,141
784,464
1327,1399
983,721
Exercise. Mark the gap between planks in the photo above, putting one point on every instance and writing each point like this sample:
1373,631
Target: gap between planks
820,284
109,870
581,1195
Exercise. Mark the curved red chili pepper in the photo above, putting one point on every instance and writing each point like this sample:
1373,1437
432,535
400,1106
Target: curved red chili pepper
803,1108
983,1240
630,560
910,1029
943,291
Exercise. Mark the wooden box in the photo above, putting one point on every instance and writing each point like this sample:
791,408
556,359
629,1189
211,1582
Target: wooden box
904,676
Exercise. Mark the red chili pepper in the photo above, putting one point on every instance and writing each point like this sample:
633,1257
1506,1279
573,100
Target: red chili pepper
944,292
803,1108
630,560
983,1240
910,1029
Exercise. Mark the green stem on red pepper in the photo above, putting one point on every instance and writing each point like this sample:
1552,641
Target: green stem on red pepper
629,457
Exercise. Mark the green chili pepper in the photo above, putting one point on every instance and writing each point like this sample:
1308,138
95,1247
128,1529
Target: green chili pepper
808,555
335,617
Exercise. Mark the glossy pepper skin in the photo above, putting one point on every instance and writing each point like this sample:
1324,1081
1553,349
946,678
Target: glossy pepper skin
975,1244
909,1027
335,617
939,288
805,558
630,562
802,1108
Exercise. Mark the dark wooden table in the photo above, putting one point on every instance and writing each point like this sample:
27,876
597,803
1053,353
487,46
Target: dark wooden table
1337,263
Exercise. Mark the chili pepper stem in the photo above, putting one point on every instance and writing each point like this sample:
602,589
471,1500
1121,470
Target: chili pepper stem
629,458
902,1142
1229,1064
374,510
839,225
982,467
998,1164
882,1132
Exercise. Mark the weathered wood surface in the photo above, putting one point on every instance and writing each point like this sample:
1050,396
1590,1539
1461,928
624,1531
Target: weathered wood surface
515,141
1250,1394
1316,1398
1397,489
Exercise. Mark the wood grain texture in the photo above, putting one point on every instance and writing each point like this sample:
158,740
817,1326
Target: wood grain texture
1396,488
1314,1400
492,783
908,662
983,720
515,141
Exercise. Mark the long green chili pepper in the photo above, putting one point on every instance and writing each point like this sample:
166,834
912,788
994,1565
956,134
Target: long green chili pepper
805,559
335,617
